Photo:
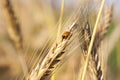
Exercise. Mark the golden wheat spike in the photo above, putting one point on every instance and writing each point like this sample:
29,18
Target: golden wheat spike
14,32
107,20
99,36
86,32
44,69
92,40
87,37
13,25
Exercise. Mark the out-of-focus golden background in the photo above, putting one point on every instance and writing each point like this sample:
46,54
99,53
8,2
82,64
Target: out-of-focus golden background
38,20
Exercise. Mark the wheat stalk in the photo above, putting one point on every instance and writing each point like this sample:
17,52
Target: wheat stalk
59,27
60,18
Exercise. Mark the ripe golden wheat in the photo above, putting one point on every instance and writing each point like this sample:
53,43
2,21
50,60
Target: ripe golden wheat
45,68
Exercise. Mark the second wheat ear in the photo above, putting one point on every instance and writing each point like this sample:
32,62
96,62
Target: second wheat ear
95,62
13,25
92,40
98,38
43,71
15,33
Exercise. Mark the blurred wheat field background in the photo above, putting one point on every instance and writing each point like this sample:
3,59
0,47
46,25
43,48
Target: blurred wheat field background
59,40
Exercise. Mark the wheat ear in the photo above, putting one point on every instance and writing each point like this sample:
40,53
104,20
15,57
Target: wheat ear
107,20
13,25
86,32
99,36
15,33
43,70
92,40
